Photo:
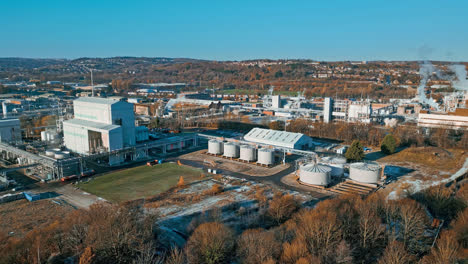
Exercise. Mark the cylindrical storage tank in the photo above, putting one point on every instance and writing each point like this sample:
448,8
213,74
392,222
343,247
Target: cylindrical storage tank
316,174
266,156
43,135
336,164
365,172
231,150
215,147
59,155
247,153
50,152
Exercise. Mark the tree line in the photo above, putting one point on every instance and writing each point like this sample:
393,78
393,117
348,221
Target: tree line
346,229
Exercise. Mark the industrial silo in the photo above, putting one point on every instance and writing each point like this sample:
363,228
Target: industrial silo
44,135
248,153
50,152
336,164
215,147
231,150
365,172
316,174
266,156
59,155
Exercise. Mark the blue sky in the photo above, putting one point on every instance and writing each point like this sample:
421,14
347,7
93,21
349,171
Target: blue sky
236,30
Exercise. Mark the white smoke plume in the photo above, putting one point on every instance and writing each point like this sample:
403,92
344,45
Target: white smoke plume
425,71
460,72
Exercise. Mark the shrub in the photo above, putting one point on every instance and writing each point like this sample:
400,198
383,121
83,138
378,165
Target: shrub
355,152
388,145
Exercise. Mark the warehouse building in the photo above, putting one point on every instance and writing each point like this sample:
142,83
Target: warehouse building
101,125
452,120
279,138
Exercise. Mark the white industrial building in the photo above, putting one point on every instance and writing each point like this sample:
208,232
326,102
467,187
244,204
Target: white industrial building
102,125
10,130
451,121
279,138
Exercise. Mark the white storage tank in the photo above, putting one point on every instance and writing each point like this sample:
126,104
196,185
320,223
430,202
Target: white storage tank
50,152
248,153
316,174
59,155
44,135
266,156
215,147
336,164
365,172
231,150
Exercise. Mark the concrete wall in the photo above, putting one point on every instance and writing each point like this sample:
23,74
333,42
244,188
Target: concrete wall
75,138
10,130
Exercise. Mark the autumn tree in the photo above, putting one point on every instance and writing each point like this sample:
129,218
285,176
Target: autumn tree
355,152
276,125
388,145
181,182
395,253
88,256
412,223
210,243
317,233
281,207
257,246
445,251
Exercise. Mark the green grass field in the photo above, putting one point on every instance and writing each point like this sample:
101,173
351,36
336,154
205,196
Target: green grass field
139,182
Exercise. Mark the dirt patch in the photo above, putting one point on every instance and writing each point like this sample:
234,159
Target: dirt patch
233,165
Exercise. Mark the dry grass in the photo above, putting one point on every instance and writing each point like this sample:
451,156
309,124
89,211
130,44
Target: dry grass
23,216
430,157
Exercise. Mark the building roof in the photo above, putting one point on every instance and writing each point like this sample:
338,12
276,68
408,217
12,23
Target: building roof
97,100
91,124
273,137
316,168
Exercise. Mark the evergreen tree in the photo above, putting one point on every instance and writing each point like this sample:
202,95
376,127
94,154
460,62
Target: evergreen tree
355,152
388,145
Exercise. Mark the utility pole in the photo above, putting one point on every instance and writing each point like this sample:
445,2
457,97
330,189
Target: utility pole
92,81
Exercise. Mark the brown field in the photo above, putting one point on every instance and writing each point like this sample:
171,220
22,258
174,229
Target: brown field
429,157
23,216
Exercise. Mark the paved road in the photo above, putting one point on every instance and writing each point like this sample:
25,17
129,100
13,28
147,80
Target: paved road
274,179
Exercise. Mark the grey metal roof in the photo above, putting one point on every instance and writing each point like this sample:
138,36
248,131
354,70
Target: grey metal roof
91,124
273,137
316,168
371,166
97,100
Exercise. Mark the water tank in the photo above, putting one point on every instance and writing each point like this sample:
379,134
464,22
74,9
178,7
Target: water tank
59,155
43,135
231,150
50,136
50,152
316,174
336,164
266,156
247,153
215,147
365,172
